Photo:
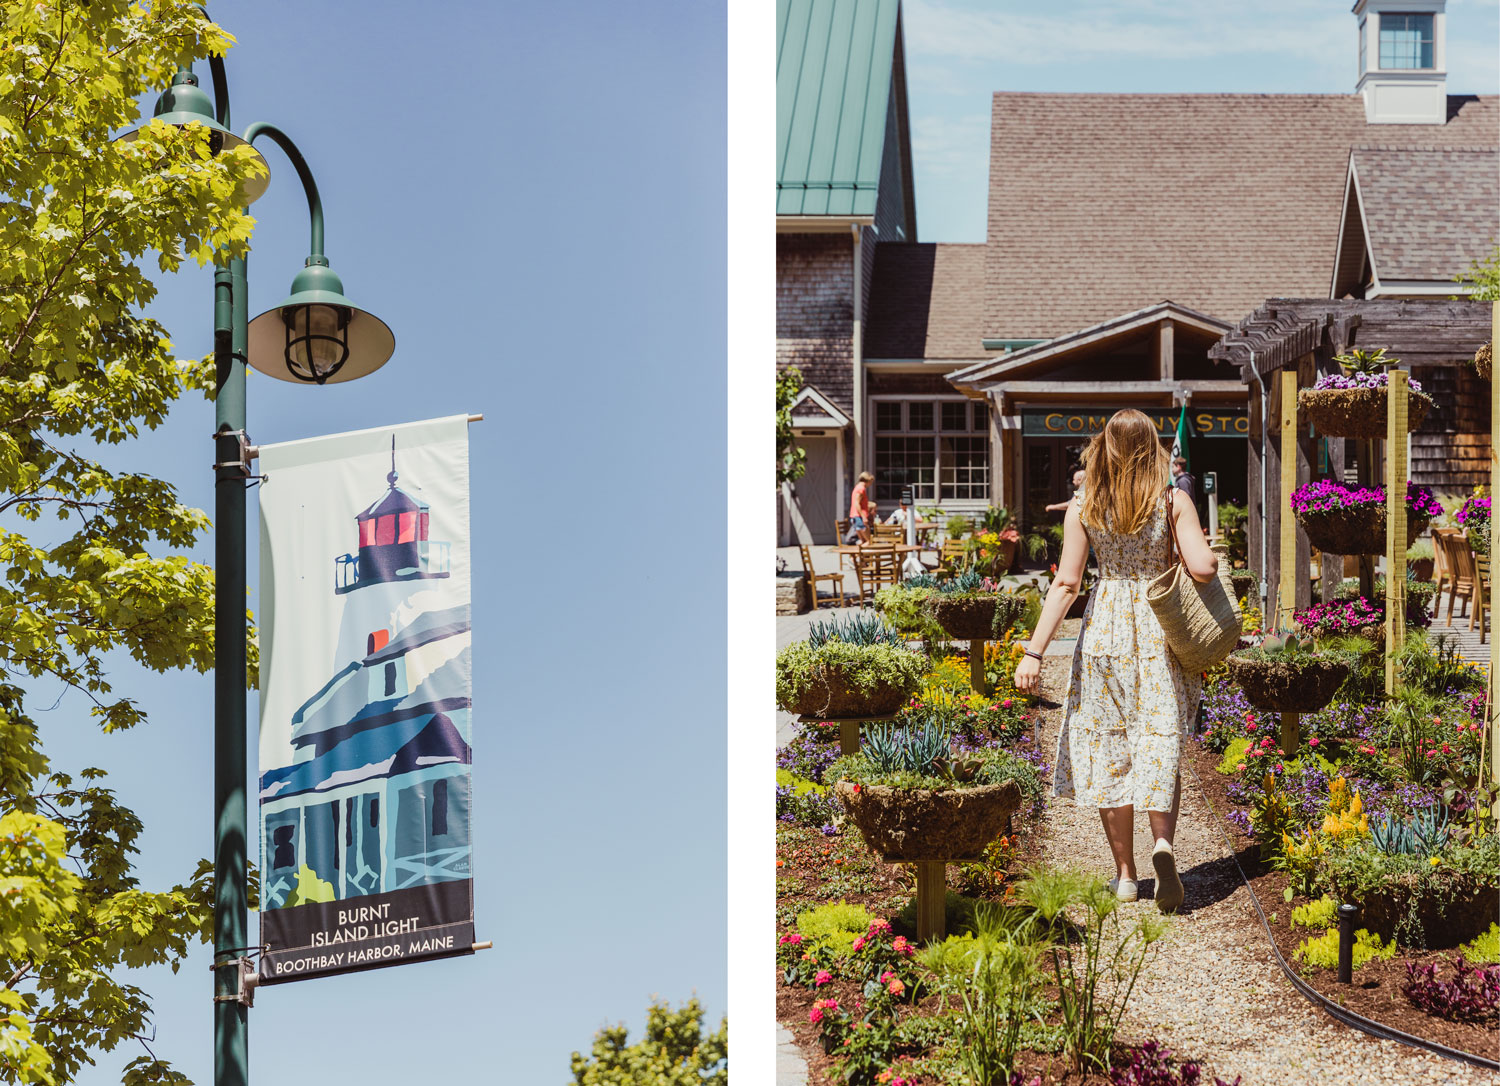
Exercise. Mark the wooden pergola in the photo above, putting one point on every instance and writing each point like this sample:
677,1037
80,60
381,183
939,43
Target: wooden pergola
1286,345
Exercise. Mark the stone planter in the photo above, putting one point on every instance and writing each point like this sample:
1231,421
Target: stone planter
983,617
1356,530
916,825
1297,685
1456,914
834,695
1356,412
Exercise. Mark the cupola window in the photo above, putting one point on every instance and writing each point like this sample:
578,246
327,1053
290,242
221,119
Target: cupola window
1406,41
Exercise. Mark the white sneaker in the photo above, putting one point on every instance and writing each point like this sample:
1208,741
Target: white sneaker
1169,893
1124,889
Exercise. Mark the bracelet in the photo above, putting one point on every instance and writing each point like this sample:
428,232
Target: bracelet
1033,655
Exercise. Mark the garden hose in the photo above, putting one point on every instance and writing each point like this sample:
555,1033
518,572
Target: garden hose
1334,1010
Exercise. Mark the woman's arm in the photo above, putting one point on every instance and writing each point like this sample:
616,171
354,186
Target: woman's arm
1201,562
1064,590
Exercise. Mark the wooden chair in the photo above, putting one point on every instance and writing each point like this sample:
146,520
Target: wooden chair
949,557
887,533
1461,573
877,568
814,577
1441,571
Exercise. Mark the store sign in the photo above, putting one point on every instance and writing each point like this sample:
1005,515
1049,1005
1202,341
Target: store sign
1215,422
365,700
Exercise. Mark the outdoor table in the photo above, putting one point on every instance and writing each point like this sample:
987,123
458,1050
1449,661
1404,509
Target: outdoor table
855,550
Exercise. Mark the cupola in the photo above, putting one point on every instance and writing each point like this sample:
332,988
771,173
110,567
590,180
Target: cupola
1403,75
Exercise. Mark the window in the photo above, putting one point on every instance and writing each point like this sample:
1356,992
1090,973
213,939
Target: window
965,468
1406,41
942,451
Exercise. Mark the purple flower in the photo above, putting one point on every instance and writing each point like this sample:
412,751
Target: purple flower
1474,511
829,830
1359,380
1325,495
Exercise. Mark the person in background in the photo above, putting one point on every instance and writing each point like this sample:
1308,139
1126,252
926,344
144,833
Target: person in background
1183,481
859,508
1062,507
901,513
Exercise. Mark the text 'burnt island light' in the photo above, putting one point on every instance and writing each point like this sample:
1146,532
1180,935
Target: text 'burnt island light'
317,335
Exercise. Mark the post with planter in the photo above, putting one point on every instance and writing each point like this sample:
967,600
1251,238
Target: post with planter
1395,526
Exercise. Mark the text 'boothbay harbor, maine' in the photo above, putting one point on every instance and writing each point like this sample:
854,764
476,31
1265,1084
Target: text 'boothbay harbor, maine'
365,722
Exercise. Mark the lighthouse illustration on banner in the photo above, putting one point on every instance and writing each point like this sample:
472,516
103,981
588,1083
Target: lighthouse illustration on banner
372,807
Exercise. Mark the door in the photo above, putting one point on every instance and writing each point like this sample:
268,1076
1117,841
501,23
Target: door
815,495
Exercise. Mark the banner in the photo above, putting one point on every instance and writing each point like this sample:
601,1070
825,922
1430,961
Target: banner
364,700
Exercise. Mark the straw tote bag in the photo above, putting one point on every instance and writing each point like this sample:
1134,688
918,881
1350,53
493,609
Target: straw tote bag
1201,621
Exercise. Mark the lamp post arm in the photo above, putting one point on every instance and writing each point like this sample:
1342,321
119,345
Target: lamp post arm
309,186
221,88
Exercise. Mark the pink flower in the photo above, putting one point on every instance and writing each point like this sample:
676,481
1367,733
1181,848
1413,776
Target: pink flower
793,939
1281,767
1249,725
822,978
895,987
1240,768
1430,752
1006,703
1266,742
1313,741
815,1015
1447,749
859,942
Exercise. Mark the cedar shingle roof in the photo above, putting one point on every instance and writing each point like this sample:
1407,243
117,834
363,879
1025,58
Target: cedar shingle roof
926,301
1429,213
1103,203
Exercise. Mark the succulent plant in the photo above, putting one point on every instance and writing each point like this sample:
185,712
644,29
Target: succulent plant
891,749
1361,361
968,581
1282,644
921,580
1421,835
959,770
857,628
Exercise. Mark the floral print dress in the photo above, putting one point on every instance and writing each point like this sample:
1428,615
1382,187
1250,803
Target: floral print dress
1129,704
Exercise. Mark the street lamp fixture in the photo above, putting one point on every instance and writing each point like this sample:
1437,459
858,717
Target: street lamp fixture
317,334
184,103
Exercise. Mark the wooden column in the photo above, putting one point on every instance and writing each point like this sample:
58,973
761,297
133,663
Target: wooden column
1273,502
1395,526
848,737
1165,350
976,669
1290,574
932,893
1333,564
1307,455
1255,449
1488,735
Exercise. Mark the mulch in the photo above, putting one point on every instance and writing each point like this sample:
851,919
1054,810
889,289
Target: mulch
1376,988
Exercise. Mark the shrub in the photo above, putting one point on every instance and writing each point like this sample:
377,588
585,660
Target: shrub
1323,949
1318,915
804,802
905,607
1473,995
676,1051
1484,948
1234,754
835,925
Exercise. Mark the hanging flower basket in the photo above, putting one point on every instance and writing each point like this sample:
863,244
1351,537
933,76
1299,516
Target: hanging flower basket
1245,583
1357,412
1348,520
1483,359
913,825
1287,683
977,616
1474,517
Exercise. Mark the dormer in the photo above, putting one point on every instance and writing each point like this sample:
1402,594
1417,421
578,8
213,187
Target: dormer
1403,74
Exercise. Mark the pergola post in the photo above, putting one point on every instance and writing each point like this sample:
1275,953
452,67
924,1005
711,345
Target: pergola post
1289,574
1395,526
1488,735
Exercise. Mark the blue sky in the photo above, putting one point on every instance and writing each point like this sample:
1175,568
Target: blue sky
532,197
959,52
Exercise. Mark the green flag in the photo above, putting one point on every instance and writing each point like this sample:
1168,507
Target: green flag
1180,444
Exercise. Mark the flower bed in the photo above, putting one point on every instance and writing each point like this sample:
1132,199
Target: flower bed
1474,517
1351,520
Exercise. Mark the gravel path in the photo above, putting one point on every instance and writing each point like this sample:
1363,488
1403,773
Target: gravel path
1212,990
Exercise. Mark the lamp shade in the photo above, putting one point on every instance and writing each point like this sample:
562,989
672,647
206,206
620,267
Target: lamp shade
185,103
317,335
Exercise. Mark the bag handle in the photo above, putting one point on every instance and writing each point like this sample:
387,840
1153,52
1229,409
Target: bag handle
1173,555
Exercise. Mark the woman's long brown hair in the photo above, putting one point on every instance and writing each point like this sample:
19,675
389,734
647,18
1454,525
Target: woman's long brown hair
1126,471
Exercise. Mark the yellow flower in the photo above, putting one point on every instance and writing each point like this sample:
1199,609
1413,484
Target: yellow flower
1433,860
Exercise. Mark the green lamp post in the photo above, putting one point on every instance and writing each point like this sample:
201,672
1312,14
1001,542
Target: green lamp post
315,336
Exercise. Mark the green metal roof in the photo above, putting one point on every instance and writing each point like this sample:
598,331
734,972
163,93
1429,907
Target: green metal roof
833,86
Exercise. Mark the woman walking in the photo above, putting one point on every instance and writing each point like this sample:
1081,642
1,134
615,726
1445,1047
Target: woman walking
1129,703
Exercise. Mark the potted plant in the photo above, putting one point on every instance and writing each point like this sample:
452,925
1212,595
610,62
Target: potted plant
851,667
969,607
1474,518
1353,403
914,801
1351,520
1244,582
1419,597
1356,617
1419,560
1287,675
